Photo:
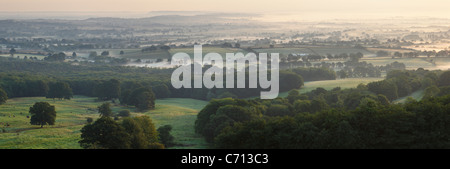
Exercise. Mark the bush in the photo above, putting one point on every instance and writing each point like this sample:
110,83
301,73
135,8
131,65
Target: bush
124,113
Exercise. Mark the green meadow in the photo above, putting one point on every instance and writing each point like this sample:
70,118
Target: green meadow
72,115
330,84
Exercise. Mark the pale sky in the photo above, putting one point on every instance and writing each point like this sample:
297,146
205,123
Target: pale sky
352,7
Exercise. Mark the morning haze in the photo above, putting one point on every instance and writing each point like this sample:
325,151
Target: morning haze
103,74
294,10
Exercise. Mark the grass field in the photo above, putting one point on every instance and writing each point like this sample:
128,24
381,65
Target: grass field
72,115
330,84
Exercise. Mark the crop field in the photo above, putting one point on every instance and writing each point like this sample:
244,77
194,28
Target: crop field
71,117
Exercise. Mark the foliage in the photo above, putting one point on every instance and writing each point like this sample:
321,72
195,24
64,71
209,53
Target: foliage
418,124
132,133
104,110
59,90
142,133
42,113
104,133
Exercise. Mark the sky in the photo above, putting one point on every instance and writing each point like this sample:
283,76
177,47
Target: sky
436,8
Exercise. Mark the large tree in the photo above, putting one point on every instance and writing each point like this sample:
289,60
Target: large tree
108,90
165,136
104,133
142,131
42,113
143,98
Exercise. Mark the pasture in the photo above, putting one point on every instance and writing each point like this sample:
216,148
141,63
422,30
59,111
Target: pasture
72,115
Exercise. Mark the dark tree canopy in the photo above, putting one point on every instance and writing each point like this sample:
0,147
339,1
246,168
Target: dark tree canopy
105,110
108,90
42,113
104,133
132,133
165,136
142,131
444,79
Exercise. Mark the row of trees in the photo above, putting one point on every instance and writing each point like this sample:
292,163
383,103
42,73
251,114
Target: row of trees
30,78
413,54
352,118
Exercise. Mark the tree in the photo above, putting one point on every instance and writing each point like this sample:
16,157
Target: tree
42,113
165,136
444,79
293,95
104,110
165,47
60,90
3,96
93,55
431,91
145,101
278,110
143,98
74,55
12,51
342,74
142,132
124,113
384,87
383,99
104,133
161,91
382,53
56,57
105,53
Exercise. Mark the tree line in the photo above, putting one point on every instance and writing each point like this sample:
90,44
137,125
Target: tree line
349,118
21,78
